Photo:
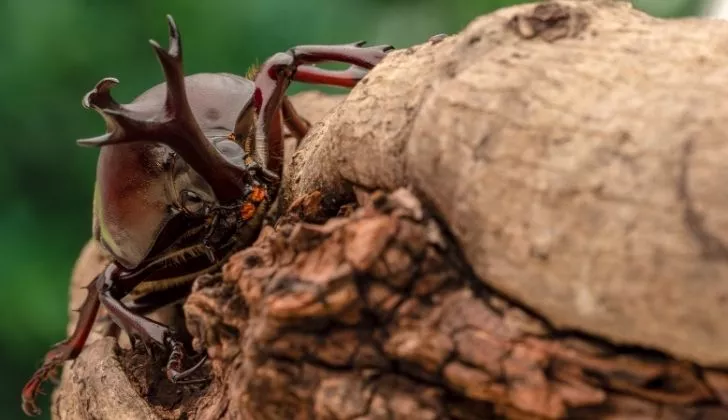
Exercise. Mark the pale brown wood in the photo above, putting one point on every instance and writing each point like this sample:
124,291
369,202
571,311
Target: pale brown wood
559,249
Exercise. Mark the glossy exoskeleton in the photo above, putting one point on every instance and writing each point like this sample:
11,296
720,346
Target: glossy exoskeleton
185,176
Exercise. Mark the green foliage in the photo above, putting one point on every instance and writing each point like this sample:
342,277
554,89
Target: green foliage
52,52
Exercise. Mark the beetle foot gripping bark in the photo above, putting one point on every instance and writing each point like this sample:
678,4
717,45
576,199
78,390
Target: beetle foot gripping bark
65,350
174,371
33,387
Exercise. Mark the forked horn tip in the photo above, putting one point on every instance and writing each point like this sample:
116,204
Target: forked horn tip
86,100
174,38
173,33
171,54
106,83
100,92
156,45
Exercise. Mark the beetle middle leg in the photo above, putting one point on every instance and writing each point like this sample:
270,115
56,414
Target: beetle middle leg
148,303
112,286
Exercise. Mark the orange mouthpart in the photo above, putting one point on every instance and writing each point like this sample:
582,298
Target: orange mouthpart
247,211
258,194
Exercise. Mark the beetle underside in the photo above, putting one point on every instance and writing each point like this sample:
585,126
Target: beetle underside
176,194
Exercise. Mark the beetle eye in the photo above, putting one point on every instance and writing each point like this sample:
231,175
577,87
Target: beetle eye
192,202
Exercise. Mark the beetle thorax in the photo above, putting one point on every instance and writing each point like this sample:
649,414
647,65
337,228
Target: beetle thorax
131,203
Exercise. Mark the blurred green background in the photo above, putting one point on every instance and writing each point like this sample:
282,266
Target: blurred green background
53,51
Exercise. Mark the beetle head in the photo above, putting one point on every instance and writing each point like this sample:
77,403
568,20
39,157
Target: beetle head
160,177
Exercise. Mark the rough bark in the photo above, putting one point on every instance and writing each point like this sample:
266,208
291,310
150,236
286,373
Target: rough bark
559,249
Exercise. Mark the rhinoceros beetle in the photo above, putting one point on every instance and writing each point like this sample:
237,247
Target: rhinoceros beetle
185,176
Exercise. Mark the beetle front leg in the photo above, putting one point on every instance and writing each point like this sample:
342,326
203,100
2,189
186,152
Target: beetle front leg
277,73
111,289
63,351
294,121
343,78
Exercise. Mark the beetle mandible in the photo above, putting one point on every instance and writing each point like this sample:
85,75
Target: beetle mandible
185,176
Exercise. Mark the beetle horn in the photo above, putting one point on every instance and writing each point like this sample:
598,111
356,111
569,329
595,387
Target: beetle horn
174,125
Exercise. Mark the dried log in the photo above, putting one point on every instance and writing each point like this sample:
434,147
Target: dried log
575,149
375,315
557,252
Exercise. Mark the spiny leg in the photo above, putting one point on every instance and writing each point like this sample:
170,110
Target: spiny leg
151,301
294,121
275,144
116,284
63,351
148,303
70,348
276,74
342,78
348,78
355,54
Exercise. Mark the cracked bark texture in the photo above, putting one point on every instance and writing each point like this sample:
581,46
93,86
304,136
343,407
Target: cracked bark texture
575,149
559,251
